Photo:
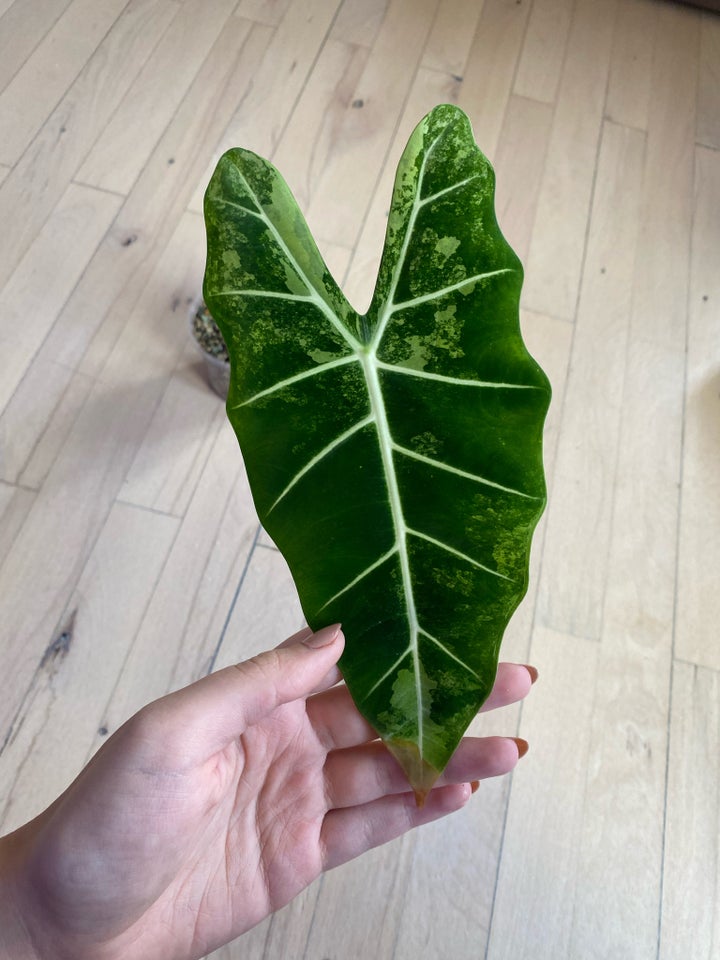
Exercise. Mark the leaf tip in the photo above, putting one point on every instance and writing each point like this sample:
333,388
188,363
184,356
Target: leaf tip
421,774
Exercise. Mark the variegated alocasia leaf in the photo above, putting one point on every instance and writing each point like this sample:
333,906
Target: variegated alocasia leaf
394,457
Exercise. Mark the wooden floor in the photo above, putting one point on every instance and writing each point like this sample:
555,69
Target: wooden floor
130,557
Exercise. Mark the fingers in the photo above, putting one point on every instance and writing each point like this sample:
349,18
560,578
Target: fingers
338,724
212,712
336,720
512,683
350,832
366,773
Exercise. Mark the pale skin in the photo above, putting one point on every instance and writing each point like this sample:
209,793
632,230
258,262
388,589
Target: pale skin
216,805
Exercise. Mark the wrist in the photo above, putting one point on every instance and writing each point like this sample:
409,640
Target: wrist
16,941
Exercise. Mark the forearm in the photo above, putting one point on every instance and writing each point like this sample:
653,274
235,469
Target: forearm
15,938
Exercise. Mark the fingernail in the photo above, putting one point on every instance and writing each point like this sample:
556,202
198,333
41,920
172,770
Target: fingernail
522,746
532,671
475,786
324,637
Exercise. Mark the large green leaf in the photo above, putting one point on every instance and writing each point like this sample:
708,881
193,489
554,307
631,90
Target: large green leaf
395,457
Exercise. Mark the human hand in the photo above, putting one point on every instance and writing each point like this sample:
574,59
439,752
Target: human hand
216,805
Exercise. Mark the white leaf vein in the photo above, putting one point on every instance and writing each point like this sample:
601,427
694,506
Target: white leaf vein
311,464
289,381
461,473
457,553
448,652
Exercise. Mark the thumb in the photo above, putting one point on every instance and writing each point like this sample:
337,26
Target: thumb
212,712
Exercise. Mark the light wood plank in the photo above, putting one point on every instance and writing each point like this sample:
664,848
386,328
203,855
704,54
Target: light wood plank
29,98
59,718
173,635
270,94
38,419
621,838
267,609
173,452
100,305
358,21
708,115
39,287
308,140
62,527
15,504
541,60
490,70
374,935
519,168
629,83
22,28
691,889
577,553
448,45
269,12
337,259
335,213
123,148
541,850
661,284
699,559
38,180
557,248
429,88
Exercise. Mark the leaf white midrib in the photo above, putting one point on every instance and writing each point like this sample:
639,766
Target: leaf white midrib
400,262
385,441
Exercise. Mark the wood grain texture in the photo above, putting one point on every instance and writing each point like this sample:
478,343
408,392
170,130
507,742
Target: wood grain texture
543,53
30,304
126,143
42,174
542,853
630,80
490,70
708,117
565,195
592,408
691,890
366,132
448,44
698,599
271,89
58,720
123,494
23,28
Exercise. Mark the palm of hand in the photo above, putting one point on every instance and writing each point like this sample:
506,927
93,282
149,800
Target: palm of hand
216,805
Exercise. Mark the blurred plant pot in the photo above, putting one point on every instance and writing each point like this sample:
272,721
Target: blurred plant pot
206,334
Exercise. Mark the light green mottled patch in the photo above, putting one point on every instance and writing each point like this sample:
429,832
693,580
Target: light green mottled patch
231,260
446,246
293,281
322,356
